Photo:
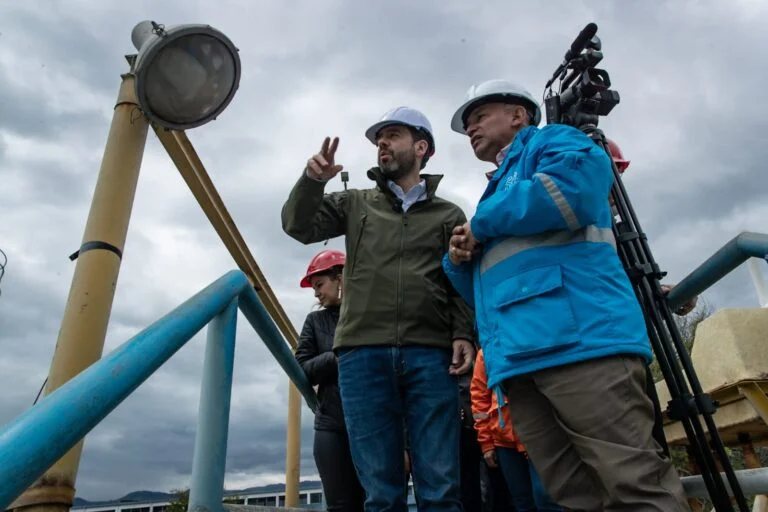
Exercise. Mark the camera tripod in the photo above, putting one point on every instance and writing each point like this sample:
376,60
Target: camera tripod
687,403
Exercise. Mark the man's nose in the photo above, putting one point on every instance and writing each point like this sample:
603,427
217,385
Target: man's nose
471,129
382,144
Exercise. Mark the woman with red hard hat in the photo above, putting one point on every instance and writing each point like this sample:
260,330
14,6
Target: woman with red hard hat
618,156
341,486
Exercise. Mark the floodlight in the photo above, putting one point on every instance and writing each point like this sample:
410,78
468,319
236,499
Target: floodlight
186,75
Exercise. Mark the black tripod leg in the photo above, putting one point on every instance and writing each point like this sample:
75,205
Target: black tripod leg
658,425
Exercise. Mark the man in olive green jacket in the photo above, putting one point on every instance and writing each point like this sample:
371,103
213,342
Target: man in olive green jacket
403,334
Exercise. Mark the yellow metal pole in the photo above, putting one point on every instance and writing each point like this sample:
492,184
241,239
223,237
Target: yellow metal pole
84,325
293,447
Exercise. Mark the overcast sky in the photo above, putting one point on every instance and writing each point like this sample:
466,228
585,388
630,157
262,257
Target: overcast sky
692,119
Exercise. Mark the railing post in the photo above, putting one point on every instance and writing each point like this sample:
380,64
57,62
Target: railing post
293,447
207,484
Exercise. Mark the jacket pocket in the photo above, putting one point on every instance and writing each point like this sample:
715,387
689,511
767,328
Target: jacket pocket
354,254
533,314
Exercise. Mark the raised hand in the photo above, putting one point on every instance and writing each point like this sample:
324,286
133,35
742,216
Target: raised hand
322,166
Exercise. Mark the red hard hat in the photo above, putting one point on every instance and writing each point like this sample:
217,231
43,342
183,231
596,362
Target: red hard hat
617,155
324,260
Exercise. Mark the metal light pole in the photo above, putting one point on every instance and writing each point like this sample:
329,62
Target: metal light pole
182,77
86,316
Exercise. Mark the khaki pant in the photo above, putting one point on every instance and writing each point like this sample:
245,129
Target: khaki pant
588,431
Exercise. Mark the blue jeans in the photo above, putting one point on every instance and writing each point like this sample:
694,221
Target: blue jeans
527,492
382,386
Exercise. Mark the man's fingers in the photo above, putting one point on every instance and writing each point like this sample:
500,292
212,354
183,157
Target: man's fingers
456,355
337,168
458,230
462,254
320,160
324,147
463,368
314,167
332,148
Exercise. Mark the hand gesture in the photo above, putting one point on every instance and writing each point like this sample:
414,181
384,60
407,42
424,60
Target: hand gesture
463,356
322,166
463,245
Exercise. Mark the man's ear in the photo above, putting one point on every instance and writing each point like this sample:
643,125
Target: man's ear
422,147
520,114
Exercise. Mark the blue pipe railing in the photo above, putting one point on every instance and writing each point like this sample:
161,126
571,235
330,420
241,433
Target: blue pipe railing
35,440
742,247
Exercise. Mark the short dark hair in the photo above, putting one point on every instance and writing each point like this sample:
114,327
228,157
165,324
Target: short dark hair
419,134
332,273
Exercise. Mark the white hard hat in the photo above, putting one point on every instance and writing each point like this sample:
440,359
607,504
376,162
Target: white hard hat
494,89
406,116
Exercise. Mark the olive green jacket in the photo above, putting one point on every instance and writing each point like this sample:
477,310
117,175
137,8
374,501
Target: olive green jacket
395,291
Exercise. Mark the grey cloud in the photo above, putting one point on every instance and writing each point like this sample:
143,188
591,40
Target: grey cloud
673,64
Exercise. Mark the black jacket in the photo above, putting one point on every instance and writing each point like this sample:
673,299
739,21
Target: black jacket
316,357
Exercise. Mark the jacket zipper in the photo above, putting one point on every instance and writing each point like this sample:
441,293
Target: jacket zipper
363,217
400,285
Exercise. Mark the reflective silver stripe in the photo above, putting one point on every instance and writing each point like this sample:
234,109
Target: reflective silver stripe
480,416
562,203
514,245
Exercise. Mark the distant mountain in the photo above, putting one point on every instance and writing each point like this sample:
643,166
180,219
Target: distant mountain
166,496
146,496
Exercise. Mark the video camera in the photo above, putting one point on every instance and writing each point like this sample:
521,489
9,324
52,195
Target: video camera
583,96
584,93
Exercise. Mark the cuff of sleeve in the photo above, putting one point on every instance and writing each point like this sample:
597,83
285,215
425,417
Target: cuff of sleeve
450,268
463,336
310,177
476,231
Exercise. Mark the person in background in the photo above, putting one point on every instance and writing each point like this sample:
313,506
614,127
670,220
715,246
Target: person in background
342,489
501,447
469,453
494,490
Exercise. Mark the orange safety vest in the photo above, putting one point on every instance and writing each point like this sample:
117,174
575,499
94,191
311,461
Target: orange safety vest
485,411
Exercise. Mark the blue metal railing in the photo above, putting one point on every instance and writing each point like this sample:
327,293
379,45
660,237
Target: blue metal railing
34,441
742,247
738,250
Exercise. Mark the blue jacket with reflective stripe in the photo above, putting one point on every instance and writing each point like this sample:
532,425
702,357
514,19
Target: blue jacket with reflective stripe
548,287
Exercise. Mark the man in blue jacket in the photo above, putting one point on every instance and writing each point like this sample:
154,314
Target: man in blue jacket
561,329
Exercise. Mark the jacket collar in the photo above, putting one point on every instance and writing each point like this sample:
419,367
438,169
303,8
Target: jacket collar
430,180
512,150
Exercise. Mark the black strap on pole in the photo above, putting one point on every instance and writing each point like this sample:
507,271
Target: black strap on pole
90,246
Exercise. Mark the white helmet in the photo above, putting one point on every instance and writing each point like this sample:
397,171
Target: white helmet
408,117
488,90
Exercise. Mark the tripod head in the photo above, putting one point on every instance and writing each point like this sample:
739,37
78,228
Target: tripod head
584,92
